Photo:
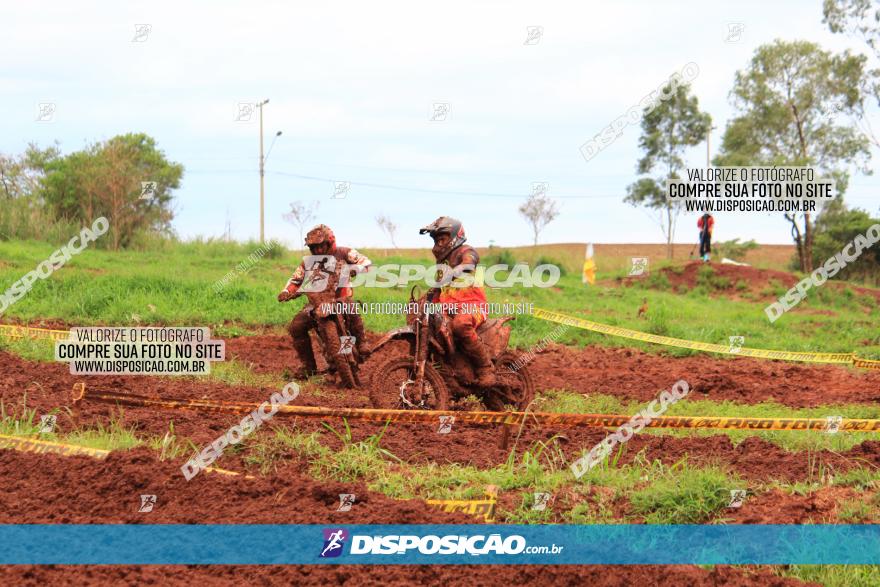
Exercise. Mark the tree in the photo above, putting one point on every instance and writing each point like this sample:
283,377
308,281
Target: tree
106,179
668,128
388,227
860,18
301,215
836,227
23,211
20,175
783,99
539,210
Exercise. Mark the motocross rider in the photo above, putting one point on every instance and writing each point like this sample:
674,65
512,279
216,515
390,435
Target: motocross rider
467,305
322,241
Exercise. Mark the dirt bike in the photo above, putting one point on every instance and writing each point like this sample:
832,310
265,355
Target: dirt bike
433,373
336,342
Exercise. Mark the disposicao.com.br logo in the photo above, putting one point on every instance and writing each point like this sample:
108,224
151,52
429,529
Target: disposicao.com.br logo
334,541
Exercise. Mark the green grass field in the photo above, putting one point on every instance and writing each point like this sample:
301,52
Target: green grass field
175,286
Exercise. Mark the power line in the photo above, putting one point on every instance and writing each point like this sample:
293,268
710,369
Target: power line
395,187
429,191
410,170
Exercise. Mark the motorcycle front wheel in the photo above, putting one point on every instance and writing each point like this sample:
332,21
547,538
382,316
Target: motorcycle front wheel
332,343
393,387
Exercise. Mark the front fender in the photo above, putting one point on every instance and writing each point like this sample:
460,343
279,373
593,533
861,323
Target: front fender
403,333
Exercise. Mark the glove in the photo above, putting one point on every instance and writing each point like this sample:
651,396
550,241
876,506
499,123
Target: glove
284,296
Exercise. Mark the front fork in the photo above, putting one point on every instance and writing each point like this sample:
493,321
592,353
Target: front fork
342,328
331,341
421,355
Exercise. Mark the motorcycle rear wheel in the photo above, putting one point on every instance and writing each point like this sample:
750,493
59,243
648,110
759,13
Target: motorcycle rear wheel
520,387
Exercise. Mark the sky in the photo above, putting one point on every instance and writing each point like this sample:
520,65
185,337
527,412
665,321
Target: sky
355,87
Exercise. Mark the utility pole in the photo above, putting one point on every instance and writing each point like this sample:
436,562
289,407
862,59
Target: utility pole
708,134
262,175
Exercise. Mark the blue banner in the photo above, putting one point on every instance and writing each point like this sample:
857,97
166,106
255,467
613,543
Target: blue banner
439,544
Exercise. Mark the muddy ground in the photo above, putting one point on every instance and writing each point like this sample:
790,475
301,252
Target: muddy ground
636,375
628,374
82,490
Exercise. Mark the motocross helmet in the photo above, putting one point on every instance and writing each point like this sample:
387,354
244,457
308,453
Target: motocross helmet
445,225
319,235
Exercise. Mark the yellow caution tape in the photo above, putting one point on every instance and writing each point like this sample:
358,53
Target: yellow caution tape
227,472
44,446
24,444
834,358
537,419
475,507
866,363
12,331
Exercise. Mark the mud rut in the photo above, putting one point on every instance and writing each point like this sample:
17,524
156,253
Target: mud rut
81,490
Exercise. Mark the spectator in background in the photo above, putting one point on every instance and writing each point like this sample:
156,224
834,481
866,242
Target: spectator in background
705,224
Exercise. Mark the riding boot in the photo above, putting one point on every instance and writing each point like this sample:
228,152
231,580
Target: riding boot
356,328
479,357
302,344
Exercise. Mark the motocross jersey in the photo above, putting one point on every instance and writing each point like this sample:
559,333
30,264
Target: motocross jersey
471,298
356,261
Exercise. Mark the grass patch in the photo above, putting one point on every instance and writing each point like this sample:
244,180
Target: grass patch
114,436
32,349
682,495
663,494
833,575
170,446
24,422
356,459
856,511
536,469
860,479
237,373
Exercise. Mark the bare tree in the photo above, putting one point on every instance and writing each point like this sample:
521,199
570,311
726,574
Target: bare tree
388,227
301,215
539,210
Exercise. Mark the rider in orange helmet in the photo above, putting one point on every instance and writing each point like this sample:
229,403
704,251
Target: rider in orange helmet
322,241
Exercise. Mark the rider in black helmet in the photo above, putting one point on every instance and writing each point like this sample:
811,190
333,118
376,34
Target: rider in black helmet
467,304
